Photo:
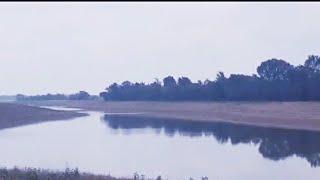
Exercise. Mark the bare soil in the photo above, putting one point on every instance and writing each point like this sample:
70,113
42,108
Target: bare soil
292,115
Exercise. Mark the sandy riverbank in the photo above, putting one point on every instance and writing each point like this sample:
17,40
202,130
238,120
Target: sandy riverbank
13,115
292,115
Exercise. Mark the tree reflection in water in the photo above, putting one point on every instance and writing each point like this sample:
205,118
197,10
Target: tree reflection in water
275,144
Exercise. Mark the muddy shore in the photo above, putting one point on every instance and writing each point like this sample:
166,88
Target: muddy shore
13,115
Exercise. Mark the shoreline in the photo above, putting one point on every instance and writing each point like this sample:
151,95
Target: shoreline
15,115
288,115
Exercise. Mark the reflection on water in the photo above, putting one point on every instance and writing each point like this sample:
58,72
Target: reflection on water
176,150
275,144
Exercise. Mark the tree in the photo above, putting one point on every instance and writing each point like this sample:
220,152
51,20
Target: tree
169,82
274,69
313,62
126,84
184,81
277,81
81,95
220,76
241,87
20,97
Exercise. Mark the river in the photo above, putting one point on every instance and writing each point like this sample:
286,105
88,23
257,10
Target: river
120,145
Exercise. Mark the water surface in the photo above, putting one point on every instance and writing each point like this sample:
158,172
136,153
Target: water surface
121,145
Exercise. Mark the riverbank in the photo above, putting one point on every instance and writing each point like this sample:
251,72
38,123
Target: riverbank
291,115
13,115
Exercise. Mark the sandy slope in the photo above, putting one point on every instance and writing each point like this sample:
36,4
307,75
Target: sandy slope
294,115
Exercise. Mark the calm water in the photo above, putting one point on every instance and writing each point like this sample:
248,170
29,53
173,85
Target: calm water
121,145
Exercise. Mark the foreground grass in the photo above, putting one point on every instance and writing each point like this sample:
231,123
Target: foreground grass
44,174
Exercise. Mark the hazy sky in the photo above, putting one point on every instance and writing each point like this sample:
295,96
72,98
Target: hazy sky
66,47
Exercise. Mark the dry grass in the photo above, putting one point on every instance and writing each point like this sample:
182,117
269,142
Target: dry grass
44,174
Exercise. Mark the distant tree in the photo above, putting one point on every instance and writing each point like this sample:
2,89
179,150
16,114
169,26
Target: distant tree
169,82
126,84
277,80
313,62
81,95
20,97
103,95
218,87
157,82
184,81
220,76
113,92
48,96
200,83
207,81
241,87
274,69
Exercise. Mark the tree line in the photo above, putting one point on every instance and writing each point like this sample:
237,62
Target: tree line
81,95
276,80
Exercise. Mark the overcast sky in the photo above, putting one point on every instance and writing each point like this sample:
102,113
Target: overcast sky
66,47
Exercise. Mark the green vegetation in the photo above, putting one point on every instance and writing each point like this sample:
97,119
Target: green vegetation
81,95
277,80
68,174
43,174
